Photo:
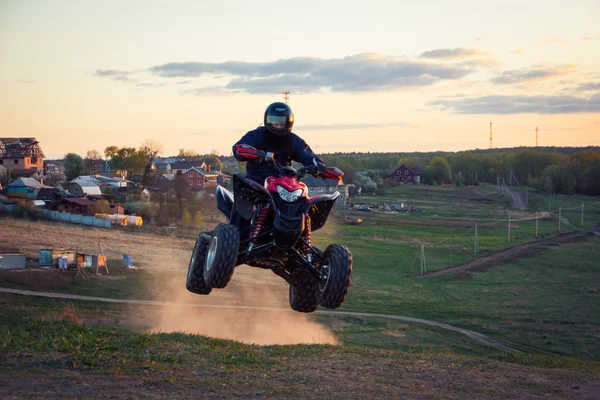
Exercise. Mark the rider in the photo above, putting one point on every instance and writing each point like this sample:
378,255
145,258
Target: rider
274,137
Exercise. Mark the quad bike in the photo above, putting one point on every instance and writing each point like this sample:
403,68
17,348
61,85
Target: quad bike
280,220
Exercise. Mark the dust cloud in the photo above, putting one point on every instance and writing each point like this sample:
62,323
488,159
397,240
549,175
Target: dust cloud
249,287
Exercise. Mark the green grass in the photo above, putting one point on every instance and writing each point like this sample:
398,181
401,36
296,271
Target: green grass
545,304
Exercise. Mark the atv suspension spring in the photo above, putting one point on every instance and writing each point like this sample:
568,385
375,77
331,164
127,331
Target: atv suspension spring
307,236
260,223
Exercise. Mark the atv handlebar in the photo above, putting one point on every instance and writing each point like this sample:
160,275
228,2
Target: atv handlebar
252,153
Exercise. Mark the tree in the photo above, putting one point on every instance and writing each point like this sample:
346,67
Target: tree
102,207
186,217
440,170
198,220
110,151
213,161
182,190
92,160
74,166
187,153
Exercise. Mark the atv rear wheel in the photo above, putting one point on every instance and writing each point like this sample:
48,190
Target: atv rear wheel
303,295
195,276
221,256
337,268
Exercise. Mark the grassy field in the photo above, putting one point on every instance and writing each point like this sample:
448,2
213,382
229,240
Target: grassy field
545,303
68,359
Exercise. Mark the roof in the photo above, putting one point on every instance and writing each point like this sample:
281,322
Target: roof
81,202
186,164
19,148
311,181
415,170
202,172
27,182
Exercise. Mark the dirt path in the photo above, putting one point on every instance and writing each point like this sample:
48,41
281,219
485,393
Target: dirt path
516,200
478,337
507,255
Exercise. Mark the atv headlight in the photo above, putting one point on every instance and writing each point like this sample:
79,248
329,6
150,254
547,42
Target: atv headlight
288,196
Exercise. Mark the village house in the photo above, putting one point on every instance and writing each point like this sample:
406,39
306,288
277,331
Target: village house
184,166
199,179
24,188
78,206
54,167
21,157
318,186
84,188
404,174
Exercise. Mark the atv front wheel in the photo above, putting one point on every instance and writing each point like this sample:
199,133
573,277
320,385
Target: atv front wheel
195,276
221,256
303,295
337,271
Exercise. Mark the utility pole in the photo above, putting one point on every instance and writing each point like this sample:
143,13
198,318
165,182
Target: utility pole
491,147
286,96
536,136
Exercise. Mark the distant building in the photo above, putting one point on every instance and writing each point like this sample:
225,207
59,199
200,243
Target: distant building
404,174
83,188
318,186
21,157
200,179
54,167
25,188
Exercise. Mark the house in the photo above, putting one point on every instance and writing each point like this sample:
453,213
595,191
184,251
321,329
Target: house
21,157
104,182
79,206
165,181
318,186
48,194
184,166
55,167
24,187
404,174
84,188
200,179
116,209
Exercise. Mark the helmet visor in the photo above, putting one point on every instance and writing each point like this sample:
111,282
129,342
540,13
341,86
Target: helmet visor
277,120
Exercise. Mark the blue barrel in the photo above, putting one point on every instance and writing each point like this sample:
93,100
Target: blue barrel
63,263
128,260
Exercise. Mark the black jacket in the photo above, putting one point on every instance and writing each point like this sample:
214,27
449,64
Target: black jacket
285,150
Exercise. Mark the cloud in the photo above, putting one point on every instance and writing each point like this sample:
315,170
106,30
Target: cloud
482,62
457,53
25,81
534,74
521,104
357,73
590,38
518,51
586,87
112,73
340,127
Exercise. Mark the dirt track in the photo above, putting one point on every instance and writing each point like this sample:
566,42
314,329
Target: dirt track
506,255
478,337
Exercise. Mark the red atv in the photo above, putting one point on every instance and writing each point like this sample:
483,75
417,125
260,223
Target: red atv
281,219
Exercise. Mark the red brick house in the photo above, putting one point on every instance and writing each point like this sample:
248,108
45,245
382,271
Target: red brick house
404,174
199,179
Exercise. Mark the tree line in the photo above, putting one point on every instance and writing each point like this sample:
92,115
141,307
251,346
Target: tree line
570,170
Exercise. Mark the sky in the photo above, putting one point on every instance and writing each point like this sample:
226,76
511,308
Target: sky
379,76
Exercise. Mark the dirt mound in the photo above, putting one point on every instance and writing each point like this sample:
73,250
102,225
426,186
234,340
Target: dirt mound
36,278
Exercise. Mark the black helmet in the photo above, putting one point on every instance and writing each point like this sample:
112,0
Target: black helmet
279,119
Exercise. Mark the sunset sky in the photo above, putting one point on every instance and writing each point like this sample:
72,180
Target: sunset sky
363,75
